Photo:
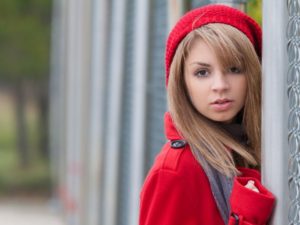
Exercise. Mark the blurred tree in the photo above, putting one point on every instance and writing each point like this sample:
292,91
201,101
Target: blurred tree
254,8
24,58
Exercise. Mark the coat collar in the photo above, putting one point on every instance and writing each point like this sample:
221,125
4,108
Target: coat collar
170,130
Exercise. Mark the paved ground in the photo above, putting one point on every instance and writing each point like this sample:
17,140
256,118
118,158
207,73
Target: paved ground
28,212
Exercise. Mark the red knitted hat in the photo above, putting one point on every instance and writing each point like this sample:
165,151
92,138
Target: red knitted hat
211,14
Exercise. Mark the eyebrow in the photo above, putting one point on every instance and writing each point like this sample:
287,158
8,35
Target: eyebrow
201,64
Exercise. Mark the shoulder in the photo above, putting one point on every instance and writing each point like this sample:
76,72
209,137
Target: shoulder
177,158
177,184
176,166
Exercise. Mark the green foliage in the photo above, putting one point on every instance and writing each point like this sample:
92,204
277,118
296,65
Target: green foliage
254,9
7,131
24,39
13,178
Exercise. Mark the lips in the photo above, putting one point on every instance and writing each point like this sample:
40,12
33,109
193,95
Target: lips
222,104
221,101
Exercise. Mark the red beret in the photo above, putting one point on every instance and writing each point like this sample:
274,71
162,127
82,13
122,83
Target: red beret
211,14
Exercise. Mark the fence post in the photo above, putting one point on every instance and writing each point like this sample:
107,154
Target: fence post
239,4
274,106
293,86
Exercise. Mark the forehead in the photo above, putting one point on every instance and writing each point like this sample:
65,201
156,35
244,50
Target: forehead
200,51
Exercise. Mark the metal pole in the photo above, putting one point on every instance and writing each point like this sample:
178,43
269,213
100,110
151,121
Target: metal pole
176,8
274,108
113,148
83,105
56,93
77,76
139,101
71,114
239,4
96,123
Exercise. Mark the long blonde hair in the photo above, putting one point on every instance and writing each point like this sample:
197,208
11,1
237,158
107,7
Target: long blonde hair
230,45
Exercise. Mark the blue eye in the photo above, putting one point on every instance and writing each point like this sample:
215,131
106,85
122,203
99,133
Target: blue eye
235,70
201,73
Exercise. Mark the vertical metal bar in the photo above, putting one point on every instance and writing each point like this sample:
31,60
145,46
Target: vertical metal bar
71,113
156,89
176,8
77,75
69,69
293,84
274,108
83,104
56,96
62,104
239,4
139,101
96,137
99,41
114,113
57,103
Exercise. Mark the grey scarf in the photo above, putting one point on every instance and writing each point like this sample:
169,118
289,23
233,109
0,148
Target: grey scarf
221,185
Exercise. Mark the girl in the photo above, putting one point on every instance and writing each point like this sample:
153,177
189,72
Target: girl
204,173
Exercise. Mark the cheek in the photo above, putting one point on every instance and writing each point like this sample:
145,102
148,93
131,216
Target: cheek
197,94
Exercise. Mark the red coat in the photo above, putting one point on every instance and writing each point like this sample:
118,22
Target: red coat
177,191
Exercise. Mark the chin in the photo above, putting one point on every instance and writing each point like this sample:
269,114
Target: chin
228,119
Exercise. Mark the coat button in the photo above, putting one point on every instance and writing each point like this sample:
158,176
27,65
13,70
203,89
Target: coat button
176,144
236,218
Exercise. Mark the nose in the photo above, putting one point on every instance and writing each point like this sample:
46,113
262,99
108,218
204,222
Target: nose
220,82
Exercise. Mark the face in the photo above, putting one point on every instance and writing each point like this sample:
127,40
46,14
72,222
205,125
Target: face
217,93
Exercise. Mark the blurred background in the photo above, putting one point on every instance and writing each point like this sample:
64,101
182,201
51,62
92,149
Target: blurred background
25,177
24,67
82,99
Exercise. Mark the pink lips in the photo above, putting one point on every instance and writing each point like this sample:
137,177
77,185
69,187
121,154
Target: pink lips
222,104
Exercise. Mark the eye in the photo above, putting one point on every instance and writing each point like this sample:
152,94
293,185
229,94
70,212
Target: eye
235,70
202,73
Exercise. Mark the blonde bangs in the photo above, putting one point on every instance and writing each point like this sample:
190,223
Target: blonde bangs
229,44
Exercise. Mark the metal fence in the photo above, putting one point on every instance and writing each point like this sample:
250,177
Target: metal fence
293,91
